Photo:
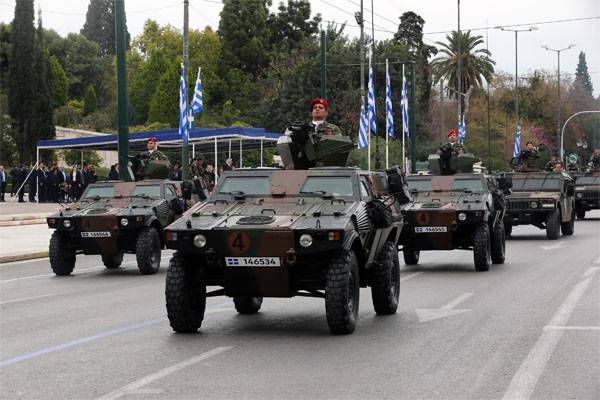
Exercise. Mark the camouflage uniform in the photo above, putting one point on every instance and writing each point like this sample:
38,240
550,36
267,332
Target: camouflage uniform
145,158
155,155
528,158
326,128
595,160
550,165
455,147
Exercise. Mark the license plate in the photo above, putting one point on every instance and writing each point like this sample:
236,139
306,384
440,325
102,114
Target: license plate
95,234
431,229
252,261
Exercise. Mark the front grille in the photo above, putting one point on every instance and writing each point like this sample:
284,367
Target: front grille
518,205
590,196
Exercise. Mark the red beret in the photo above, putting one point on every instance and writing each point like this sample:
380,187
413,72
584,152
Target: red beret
151,139
319,100
452,132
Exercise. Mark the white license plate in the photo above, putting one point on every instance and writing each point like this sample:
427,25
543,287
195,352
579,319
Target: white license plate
252,261
431,229
100,234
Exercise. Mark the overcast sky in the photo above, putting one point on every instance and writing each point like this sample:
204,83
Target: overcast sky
66,16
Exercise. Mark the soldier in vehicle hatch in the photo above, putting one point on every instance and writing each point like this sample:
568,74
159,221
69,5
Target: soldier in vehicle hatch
595,158
151,163
319,109
452,145
529,156
152,153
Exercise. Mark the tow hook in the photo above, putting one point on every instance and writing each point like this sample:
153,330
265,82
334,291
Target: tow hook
290,256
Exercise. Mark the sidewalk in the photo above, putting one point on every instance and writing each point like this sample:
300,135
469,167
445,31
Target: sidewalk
14,213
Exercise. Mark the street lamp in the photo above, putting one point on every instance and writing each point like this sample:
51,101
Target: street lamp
516,31
558,88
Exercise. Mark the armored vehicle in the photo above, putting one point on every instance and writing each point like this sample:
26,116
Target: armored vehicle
113,218
321,232
542,199
587,192
462,211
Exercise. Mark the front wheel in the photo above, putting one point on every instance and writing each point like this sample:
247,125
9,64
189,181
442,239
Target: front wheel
185,293
342,291
247,304
568,228
385,280
482,248
553,225
411,256
61,253
498,243
580,213
112,262
147,251
508,228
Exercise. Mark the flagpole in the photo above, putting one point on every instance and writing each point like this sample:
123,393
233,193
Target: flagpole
369,128
387,122
403,127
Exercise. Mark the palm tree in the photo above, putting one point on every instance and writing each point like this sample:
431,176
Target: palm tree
476,63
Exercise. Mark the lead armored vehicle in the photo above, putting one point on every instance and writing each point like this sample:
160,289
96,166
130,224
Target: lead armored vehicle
542,199
587,192
321,232
113,218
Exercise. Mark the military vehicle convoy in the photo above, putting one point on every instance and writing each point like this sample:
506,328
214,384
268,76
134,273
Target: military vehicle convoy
113,218
542,199
587,192
320,232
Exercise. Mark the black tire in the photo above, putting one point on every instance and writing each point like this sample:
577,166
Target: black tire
147,251
553,225
568,228
342,293
185,293
411,256
385,280
508,229
62,254
482,248
247,304
498,243
112,262
580,213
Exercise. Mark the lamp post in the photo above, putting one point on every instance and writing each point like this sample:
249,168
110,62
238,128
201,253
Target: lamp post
360,21
516,31
558,88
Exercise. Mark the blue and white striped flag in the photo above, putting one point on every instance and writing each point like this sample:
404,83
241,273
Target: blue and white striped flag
363,137
389,116
404,107
517,150
183,119
371,101
197,103
462,130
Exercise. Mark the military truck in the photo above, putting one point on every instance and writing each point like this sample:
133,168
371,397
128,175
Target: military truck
113,218
321,232
461,211
542,199
587,192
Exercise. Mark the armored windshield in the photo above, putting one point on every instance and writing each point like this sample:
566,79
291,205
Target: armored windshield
536,184
420,185
588,180
99,191
335,185
249,185
473,185
146,190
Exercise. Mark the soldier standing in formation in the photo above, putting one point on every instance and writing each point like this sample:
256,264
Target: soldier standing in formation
320,110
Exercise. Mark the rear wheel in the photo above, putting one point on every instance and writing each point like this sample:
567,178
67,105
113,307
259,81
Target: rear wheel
147,251
61,253
185,293
385,280
568,228
112,262
580,213
482,248
411,256
498,243
342,291
247,304
553,225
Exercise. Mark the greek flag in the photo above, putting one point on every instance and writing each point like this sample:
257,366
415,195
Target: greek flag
197,104
183,120
517,150
404,107
371,101
389,116
462,130
363,137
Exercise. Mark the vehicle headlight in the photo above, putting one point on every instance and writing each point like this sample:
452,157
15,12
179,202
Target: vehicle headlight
67,223
199,241
579,195
462,216
306,240
534,204
124,222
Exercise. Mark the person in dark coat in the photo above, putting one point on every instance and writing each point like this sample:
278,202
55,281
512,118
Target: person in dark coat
3,178
14,177
21,175
41,183
62,183
31,180
113,175
52,184
75,180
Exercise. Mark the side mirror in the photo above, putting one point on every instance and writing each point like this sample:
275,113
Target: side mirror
187,188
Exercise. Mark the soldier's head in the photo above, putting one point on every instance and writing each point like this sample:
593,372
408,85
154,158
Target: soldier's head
452,135
319,109
151,143
529,146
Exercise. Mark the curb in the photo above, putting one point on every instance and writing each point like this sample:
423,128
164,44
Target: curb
23,257
32,221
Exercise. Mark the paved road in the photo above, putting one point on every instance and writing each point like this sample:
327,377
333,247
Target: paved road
527,329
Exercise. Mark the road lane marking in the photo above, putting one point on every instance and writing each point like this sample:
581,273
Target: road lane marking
590,271
26,298
429,314
135,386
559,245
457,301
410,276
571,328
102,335
525,379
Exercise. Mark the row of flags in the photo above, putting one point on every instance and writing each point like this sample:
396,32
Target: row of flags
197,105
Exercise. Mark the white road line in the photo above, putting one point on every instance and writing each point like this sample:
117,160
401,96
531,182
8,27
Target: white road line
26,298
571,328
135,386
525,380
410,276
456,301
590,271
81,271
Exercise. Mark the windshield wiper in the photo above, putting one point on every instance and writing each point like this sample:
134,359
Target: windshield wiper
463,189
237,194
142,195
321,193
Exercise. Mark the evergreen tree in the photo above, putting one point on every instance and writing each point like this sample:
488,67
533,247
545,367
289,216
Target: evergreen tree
90,103
142,85
583,82
100,25
5,52
21,74
292,25
60,83
83,65
164,105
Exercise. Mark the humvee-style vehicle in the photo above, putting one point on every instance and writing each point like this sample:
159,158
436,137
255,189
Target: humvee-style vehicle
321,232
542,199
587,192
461,211
113,218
